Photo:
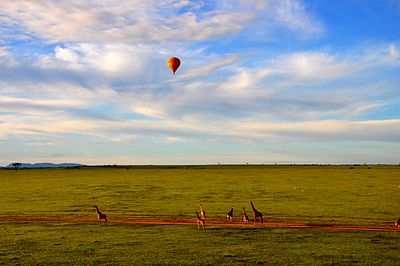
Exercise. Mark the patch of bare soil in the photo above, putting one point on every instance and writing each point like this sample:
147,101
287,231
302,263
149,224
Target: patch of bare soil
155,221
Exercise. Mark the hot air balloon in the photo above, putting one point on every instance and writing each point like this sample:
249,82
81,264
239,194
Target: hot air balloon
174,63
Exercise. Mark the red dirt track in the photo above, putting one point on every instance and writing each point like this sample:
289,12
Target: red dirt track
208,223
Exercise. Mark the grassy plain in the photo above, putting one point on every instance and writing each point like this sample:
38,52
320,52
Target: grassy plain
308,194
89,244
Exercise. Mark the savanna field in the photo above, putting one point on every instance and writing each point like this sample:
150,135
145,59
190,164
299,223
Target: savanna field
309,195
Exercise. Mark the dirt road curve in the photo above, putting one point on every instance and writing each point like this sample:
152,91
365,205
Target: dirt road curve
208,223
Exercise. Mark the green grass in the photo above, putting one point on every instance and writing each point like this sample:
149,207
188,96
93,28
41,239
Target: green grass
309,194
314,194
66,243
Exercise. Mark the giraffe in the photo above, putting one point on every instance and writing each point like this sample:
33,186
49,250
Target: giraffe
199,221
100,215
229,215
397,224
202,212
256,213
245,217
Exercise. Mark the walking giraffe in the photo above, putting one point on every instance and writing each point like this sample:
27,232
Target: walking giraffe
229,215
199,221
100,215
245,217
397,224
256,213
202,212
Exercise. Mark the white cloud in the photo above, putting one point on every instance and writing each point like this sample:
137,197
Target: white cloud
293,14
175,139
315,66
244,82
6,58
66,54
394,52
290,86
38,121
110,59
271,16
9,103
208,66
328,130
182,3
147,110
134,21
258,4
150,21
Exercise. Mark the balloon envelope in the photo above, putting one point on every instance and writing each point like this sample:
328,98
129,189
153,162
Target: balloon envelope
174,63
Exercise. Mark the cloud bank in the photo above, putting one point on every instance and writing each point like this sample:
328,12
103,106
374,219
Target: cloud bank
80,78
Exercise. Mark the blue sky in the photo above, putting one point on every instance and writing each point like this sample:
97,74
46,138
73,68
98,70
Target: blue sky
285,81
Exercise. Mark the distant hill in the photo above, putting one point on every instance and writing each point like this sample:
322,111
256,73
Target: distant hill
45,165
